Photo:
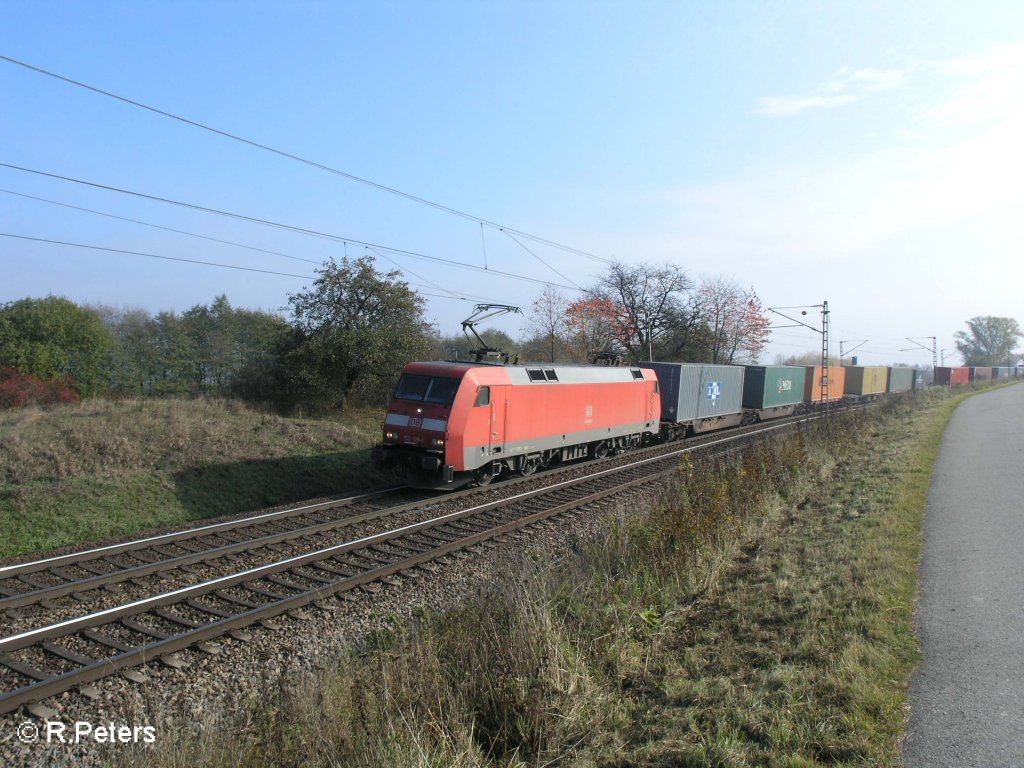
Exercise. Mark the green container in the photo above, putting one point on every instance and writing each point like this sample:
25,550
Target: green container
771,386
900,379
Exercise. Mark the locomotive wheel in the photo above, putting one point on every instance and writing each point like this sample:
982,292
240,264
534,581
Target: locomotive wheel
529,466
601,450
483,477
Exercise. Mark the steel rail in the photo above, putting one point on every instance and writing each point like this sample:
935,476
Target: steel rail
121,572
98,668
106,667
72,558
171,563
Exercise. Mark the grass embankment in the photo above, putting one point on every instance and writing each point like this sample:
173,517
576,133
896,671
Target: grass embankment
100,469
760,616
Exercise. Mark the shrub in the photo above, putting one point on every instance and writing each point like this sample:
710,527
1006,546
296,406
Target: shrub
18,390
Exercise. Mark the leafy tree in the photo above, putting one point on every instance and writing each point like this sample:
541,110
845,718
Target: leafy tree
458,347
735,322
215,349
592,328
356,328
261,342
130,349
173,365
807,358
53,338
236,350
988,340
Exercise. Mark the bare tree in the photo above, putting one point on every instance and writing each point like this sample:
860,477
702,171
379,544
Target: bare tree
653,306
546,323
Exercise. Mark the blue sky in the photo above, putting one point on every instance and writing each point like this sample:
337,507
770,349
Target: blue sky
864,153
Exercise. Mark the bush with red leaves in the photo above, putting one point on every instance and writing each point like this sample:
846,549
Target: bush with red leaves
18,390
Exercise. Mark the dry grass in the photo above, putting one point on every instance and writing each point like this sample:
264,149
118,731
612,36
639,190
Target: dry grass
114,437
100,469
760,616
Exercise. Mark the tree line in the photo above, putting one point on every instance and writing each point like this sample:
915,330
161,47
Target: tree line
348,336
645,312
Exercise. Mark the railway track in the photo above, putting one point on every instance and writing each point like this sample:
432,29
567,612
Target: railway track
40,581
45,660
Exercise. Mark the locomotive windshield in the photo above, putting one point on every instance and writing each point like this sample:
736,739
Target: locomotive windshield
428,389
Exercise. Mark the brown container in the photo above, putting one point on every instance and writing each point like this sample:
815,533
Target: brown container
866,379
947,377
981,374
812,383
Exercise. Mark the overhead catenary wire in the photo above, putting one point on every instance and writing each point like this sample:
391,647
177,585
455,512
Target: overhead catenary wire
421,277
287,227
155,256
166,229
306,161
188,261
538,258
226,242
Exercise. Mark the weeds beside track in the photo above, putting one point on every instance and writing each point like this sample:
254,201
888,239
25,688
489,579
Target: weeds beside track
761,615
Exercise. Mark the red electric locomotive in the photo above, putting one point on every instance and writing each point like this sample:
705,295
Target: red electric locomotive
451,422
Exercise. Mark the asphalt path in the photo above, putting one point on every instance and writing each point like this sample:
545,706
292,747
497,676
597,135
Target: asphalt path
967,696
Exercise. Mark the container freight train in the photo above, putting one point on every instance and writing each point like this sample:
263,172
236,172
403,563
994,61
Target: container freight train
951,377
452,423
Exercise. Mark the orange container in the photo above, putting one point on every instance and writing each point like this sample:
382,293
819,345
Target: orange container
812,383
951,376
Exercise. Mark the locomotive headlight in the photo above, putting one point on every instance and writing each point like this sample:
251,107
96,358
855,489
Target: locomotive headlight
390,435
437,442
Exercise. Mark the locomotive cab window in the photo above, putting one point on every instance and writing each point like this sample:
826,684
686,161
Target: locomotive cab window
535,374
483,396
636,374
428,389
550,375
